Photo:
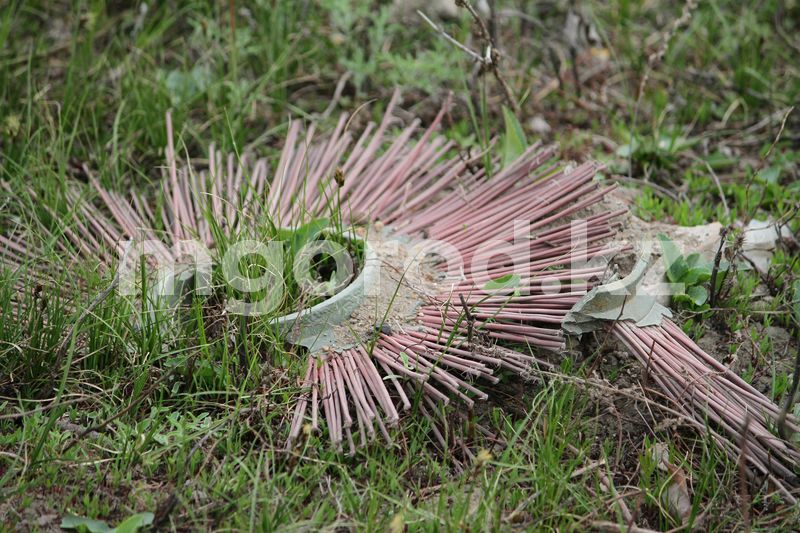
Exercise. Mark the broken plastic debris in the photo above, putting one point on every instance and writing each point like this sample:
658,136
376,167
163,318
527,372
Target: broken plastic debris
619,299
312,327
760,239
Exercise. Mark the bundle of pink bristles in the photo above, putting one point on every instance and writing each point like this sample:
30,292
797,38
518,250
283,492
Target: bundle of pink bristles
462,337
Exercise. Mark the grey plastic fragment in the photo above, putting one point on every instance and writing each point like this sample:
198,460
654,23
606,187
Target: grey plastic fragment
618,300
311,327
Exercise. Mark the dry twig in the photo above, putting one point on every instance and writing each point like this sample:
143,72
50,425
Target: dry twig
489,60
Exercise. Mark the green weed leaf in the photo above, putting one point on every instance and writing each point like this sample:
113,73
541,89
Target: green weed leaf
693,260
668,248
184,86
627,150
133,523
676,264
692,276
514,142
130,525
503,283
81,523
308,232
769,175
698,294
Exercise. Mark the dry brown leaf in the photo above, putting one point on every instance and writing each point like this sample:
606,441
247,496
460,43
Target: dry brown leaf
676,496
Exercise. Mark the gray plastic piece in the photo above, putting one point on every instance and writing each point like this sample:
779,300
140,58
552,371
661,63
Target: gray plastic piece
617,300
311,327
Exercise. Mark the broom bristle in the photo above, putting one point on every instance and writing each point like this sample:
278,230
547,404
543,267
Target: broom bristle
716,399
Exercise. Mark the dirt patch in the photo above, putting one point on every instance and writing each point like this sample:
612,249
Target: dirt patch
407,278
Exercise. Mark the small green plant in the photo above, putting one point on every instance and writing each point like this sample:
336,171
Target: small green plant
129,525
689,273
653,152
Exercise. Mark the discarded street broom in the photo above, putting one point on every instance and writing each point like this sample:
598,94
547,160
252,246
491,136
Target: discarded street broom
506,278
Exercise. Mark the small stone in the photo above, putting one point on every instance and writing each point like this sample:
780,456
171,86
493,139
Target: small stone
46,519
539,125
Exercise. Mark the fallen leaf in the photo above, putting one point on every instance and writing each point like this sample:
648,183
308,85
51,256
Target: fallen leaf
676,496
398,523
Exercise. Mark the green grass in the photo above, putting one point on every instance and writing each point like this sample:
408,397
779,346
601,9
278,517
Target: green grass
200,408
